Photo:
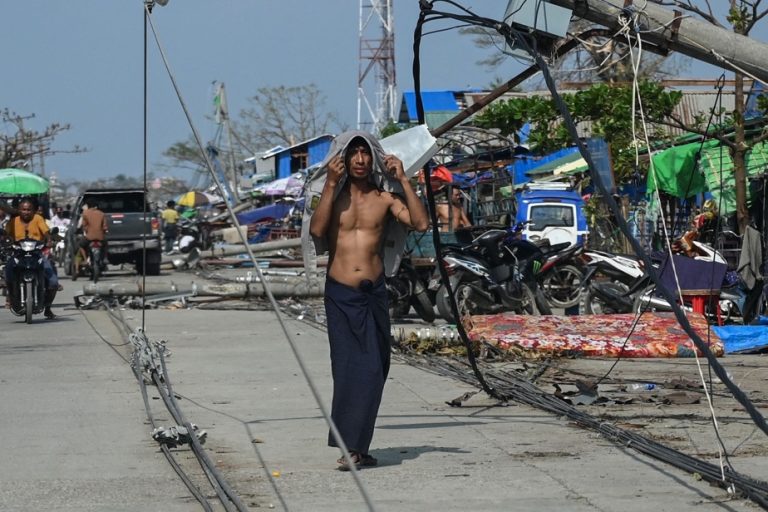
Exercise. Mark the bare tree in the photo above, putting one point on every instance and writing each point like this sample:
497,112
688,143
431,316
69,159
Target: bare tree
285,115
185,155
20,145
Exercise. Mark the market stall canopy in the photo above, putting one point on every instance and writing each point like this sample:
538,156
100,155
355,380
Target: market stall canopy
675,171
19,182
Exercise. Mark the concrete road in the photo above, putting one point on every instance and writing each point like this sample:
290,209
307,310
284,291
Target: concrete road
74,427
76,435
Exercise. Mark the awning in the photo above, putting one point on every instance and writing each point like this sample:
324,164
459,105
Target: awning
579,165
567,164
675,174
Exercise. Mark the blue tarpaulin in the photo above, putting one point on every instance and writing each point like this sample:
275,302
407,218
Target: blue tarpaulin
744,339
272,211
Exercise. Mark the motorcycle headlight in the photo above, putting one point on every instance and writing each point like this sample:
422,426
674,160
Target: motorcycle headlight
28,245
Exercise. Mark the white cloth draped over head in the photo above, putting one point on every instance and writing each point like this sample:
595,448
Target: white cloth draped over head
394,233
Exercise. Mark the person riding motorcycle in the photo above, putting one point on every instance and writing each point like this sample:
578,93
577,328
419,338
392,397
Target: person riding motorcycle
28,224
94,226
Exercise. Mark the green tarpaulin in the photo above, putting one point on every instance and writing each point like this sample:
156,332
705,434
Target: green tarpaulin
673,170
675,174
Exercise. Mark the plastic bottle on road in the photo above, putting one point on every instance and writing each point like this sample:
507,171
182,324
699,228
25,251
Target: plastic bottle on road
642,386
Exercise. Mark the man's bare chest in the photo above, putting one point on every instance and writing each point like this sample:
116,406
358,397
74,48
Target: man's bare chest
362,214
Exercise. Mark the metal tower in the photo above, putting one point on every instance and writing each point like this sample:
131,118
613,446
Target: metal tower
376,82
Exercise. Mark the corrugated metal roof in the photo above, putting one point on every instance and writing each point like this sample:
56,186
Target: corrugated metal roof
433,101
279,149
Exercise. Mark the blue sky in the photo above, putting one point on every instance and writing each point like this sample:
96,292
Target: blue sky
81,62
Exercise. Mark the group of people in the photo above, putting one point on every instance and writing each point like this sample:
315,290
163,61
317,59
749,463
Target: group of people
26,221
182,228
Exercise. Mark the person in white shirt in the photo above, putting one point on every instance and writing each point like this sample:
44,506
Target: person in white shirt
57,221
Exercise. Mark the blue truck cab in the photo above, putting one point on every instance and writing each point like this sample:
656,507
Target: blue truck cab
554,214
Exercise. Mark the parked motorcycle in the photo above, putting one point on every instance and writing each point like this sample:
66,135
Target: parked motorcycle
560,277
407,288
496,272
736,304
27,289
607,282
192,234
625,287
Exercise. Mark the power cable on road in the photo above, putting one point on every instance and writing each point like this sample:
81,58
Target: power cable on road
267,291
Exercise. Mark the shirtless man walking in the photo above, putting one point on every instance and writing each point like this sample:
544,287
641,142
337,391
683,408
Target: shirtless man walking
351,216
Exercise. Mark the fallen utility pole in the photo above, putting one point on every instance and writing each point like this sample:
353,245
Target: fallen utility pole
680,32
232,249
281,286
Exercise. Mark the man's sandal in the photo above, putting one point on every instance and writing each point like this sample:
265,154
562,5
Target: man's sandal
358,460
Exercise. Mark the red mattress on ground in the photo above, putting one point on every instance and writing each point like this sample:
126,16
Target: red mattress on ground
655,335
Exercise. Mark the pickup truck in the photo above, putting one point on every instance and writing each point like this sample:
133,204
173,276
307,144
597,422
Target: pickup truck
127,229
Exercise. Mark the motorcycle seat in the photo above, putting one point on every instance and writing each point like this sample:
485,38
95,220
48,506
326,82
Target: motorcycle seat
552,249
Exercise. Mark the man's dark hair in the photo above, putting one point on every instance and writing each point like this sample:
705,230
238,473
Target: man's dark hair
357,141
31,200
170,204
